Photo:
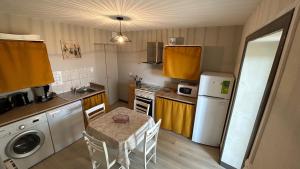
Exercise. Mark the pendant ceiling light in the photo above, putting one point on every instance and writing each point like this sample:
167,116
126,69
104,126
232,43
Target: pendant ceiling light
120,38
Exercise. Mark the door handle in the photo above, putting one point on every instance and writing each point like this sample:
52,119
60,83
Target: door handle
147,100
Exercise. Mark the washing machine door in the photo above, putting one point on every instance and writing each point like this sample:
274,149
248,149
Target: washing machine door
25,144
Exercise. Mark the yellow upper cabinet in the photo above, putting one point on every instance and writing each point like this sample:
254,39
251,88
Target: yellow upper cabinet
182,62
23,64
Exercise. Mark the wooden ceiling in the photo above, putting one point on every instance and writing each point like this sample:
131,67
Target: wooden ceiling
143,14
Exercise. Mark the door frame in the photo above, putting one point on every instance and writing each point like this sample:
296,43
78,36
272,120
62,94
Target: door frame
281,23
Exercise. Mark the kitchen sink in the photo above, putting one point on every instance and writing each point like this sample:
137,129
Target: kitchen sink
85,90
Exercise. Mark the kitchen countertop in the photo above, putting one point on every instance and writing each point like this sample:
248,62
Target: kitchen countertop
29,110
172,95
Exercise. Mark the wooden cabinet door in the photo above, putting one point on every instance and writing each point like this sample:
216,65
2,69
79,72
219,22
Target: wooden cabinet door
131,95
94,100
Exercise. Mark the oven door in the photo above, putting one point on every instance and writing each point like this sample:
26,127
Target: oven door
25,144
147,101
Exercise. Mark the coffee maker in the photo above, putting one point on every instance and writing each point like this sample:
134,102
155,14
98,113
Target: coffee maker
42,94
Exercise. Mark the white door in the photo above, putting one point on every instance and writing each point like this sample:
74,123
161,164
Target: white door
107,69
112,72
100,65
216,85
209,120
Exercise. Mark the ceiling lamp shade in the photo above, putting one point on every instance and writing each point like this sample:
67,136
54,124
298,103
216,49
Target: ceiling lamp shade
120,38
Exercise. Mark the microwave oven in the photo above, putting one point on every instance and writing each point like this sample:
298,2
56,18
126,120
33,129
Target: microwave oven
186,89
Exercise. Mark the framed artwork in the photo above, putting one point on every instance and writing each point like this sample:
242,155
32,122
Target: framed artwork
70,49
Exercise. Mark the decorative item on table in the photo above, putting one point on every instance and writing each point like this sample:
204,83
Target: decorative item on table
121,118
137,79
70,49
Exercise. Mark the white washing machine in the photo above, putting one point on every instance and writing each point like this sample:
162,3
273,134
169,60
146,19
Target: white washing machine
26,142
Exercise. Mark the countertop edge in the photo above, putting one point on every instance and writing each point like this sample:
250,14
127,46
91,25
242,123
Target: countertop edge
54,107
172,98
33,114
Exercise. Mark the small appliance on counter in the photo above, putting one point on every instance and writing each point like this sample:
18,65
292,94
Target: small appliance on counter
19,99
42,94
5,105
186,89
13,100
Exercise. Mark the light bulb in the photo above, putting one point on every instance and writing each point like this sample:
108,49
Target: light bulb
120,39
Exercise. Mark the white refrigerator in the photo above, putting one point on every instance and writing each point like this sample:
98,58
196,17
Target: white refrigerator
212,105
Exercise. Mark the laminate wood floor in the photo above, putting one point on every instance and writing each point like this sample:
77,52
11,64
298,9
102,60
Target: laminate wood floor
174,152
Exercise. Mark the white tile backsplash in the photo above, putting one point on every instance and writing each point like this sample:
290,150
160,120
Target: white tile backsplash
91,69
66,79
74,75
57,78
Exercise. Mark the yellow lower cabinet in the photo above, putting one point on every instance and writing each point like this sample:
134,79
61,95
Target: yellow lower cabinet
176,116
94,100
159,104
189,116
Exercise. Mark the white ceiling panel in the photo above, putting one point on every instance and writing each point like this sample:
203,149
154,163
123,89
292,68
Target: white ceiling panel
143,14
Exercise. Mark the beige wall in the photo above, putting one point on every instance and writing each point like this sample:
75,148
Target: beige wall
226,38
75,71
279,139
266,12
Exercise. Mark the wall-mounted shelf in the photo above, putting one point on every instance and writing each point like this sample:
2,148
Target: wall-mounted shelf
4,36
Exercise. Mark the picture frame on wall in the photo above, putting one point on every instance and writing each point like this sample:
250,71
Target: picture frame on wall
70,49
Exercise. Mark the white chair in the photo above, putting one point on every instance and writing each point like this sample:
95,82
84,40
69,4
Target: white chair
141,107
100,157
149,144
95,111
